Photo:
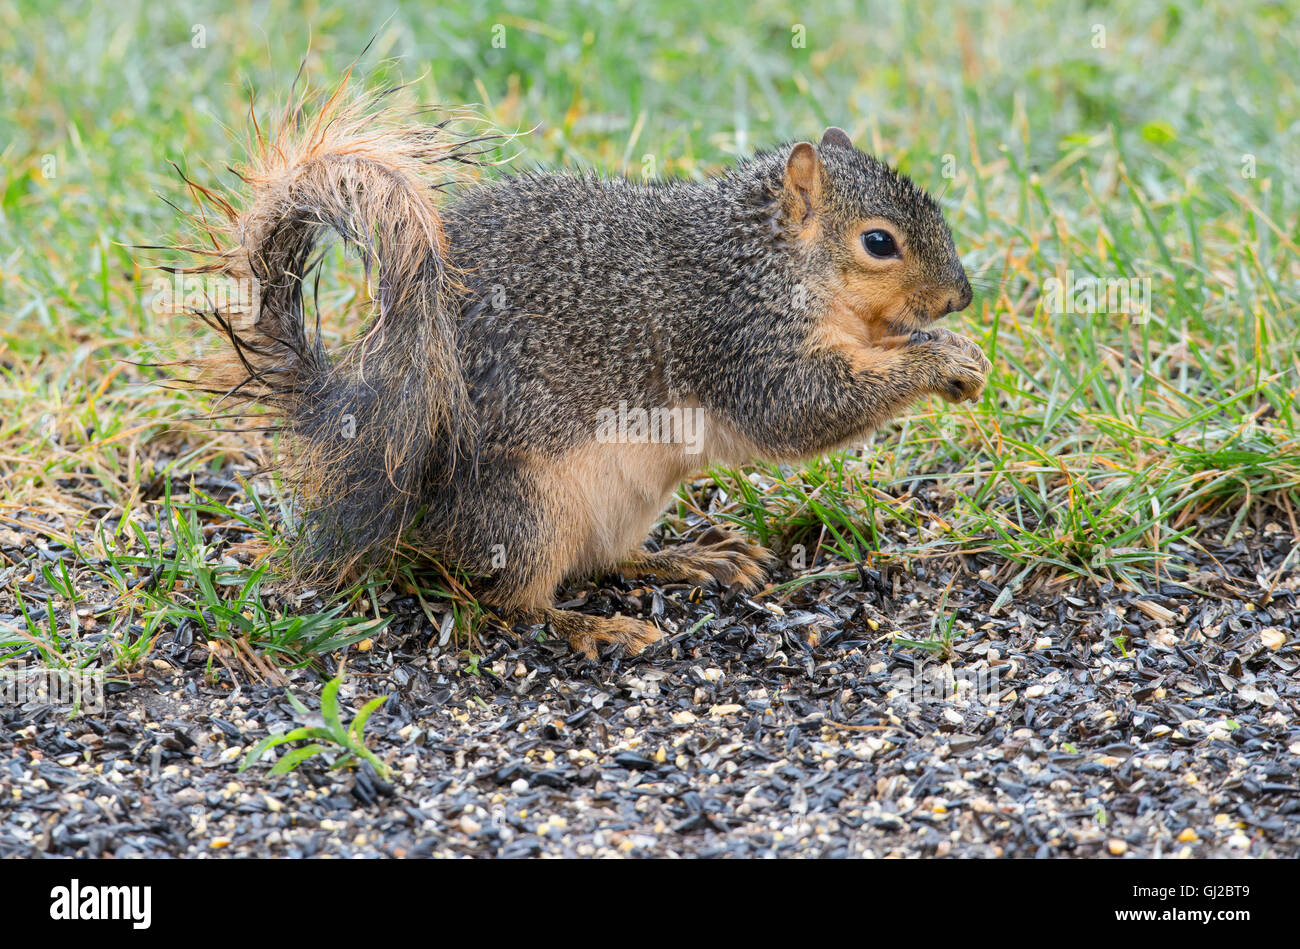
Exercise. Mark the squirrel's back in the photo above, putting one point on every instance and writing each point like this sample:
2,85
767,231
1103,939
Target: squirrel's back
583,292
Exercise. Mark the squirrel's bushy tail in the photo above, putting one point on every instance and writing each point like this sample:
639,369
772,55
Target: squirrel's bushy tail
363,427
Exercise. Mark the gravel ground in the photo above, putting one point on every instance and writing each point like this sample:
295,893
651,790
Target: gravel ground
794,730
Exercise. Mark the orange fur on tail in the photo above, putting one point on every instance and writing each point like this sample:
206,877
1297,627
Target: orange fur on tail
361,426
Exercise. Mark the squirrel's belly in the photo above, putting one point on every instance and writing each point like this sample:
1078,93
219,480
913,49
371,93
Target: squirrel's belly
603,498
600,500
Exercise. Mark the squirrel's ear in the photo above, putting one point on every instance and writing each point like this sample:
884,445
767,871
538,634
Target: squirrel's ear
837,137
803,176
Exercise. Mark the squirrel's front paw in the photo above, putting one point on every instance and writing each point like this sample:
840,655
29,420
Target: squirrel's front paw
959,366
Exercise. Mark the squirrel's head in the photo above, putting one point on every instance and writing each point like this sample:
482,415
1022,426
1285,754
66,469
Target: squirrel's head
888,252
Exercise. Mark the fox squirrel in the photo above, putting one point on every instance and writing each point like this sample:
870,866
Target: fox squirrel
781,305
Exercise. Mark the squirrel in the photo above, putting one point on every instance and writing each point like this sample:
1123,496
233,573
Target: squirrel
781,305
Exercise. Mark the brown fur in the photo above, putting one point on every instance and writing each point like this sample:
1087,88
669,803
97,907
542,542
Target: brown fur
587,634
716,556
353,167
503,322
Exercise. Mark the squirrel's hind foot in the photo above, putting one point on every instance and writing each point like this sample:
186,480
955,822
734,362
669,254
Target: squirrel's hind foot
587,634
717,555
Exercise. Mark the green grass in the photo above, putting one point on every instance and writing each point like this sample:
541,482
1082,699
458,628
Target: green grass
344,744
1103,448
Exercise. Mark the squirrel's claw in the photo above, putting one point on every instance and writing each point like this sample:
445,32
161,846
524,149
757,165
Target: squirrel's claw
962,366
718,555
587,634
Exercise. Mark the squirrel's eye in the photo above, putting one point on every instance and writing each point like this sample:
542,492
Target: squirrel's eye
880,244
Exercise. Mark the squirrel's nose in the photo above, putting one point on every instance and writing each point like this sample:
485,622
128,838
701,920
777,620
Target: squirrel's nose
961,299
